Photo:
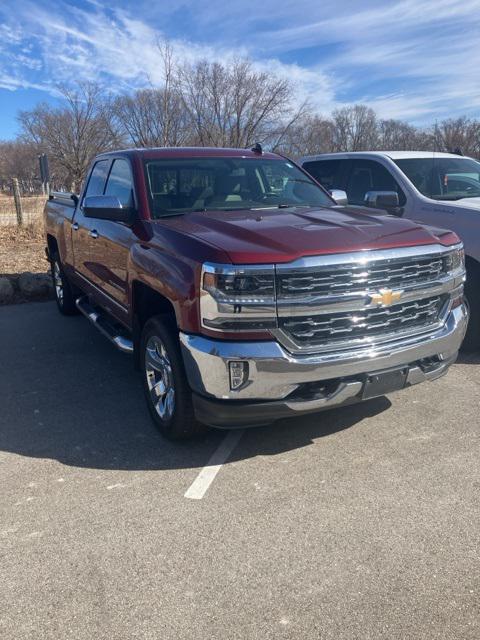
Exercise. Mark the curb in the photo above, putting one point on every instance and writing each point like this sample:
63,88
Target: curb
25,287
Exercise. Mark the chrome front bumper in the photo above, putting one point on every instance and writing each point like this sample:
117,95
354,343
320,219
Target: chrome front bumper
275,374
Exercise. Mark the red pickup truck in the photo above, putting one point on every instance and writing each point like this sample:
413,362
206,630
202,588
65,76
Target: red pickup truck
244,292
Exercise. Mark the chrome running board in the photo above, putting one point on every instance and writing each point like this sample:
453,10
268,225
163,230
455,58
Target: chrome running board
104,325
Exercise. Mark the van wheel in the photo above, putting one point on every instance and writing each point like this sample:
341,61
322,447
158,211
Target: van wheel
64,293
169,398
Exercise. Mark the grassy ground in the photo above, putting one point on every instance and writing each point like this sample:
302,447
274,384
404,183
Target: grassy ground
22,249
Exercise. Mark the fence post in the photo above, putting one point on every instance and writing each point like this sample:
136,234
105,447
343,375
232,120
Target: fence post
18,202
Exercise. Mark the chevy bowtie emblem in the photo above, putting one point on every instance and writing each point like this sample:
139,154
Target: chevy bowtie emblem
386,297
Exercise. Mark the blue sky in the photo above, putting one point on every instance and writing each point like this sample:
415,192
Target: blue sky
412,59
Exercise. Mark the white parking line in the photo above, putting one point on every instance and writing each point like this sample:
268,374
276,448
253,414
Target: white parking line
199,487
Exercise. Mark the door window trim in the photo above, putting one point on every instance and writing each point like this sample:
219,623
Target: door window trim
84,195
111,160
127,160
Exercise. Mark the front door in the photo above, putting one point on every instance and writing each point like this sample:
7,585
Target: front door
110,246
83,229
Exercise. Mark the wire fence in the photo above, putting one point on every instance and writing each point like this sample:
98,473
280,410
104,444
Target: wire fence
20,208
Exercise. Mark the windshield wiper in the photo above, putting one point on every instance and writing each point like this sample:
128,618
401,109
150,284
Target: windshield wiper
282,205
170,215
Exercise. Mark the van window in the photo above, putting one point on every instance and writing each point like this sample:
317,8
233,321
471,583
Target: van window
443,178
327,172
368,175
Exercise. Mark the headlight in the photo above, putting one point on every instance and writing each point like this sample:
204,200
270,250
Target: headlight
238,298
455,261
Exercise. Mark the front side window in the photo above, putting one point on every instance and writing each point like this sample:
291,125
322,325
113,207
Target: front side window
368,175
443,178
98,177
179,186
120,183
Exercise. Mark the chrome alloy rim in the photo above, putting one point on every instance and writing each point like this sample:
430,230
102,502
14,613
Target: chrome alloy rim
158,370
58,282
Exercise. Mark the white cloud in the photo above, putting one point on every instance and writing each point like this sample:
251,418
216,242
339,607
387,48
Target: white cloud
411,59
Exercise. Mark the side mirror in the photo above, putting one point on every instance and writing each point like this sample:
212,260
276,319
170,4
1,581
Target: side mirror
382,199
339,196
107,208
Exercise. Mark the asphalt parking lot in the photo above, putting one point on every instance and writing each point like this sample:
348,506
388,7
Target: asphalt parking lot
363,522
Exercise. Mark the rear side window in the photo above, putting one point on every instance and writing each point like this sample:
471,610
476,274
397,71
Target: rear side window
326,172
368,175
98,177
120,183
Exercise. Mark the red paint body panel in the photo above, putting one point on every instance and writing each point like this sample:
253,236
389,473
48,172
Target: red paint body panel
283,235
167,255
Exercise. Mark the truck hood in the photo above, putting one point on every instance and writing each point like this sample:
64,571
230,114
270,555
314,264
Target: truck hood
283,235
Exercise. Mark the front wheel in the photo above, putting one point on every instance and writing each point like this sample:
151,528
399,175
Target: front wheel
168,395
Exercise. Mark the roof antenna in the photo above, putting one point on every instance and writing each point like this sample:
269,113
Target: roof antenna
257,148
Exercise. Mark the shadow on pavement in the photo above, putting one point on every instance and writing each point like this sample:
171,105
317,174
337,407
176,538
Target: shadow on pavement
68,395
472,357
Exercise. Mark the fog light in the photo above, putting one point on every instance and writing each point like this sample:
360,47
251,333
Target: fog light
238,374
457,299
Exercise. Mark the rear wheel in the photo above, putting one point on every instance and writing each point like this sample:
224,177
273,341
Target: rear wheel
168,396
64,292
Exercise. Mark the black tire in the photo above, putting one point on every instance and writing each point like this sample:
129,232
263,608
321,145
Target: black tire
63,289
472,300
159,347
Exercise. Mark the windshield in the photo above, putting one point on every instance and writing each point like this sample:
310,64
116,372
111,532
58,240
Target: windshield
183,185
443,178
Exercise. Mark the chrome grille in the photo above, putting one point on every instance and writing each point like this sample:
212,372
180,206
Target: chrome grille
358,277
360,326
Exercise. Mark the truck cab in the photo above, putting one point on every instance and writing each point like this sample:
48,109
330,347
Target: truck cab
438,189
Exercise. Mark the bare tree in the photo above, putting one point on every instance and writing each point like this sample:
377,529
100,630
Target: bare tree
235,105
206,103
355,128
458,134
71,134
19,160
145,121
396,135
310,135
155,116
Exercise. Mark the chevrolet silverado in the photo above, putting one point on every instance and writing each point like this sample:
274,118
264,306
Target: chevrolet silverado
245,292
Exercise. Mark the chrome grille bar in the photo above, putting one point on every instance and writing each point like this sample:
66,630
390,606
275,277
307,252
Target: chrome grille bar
333,302
322,328
348,279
